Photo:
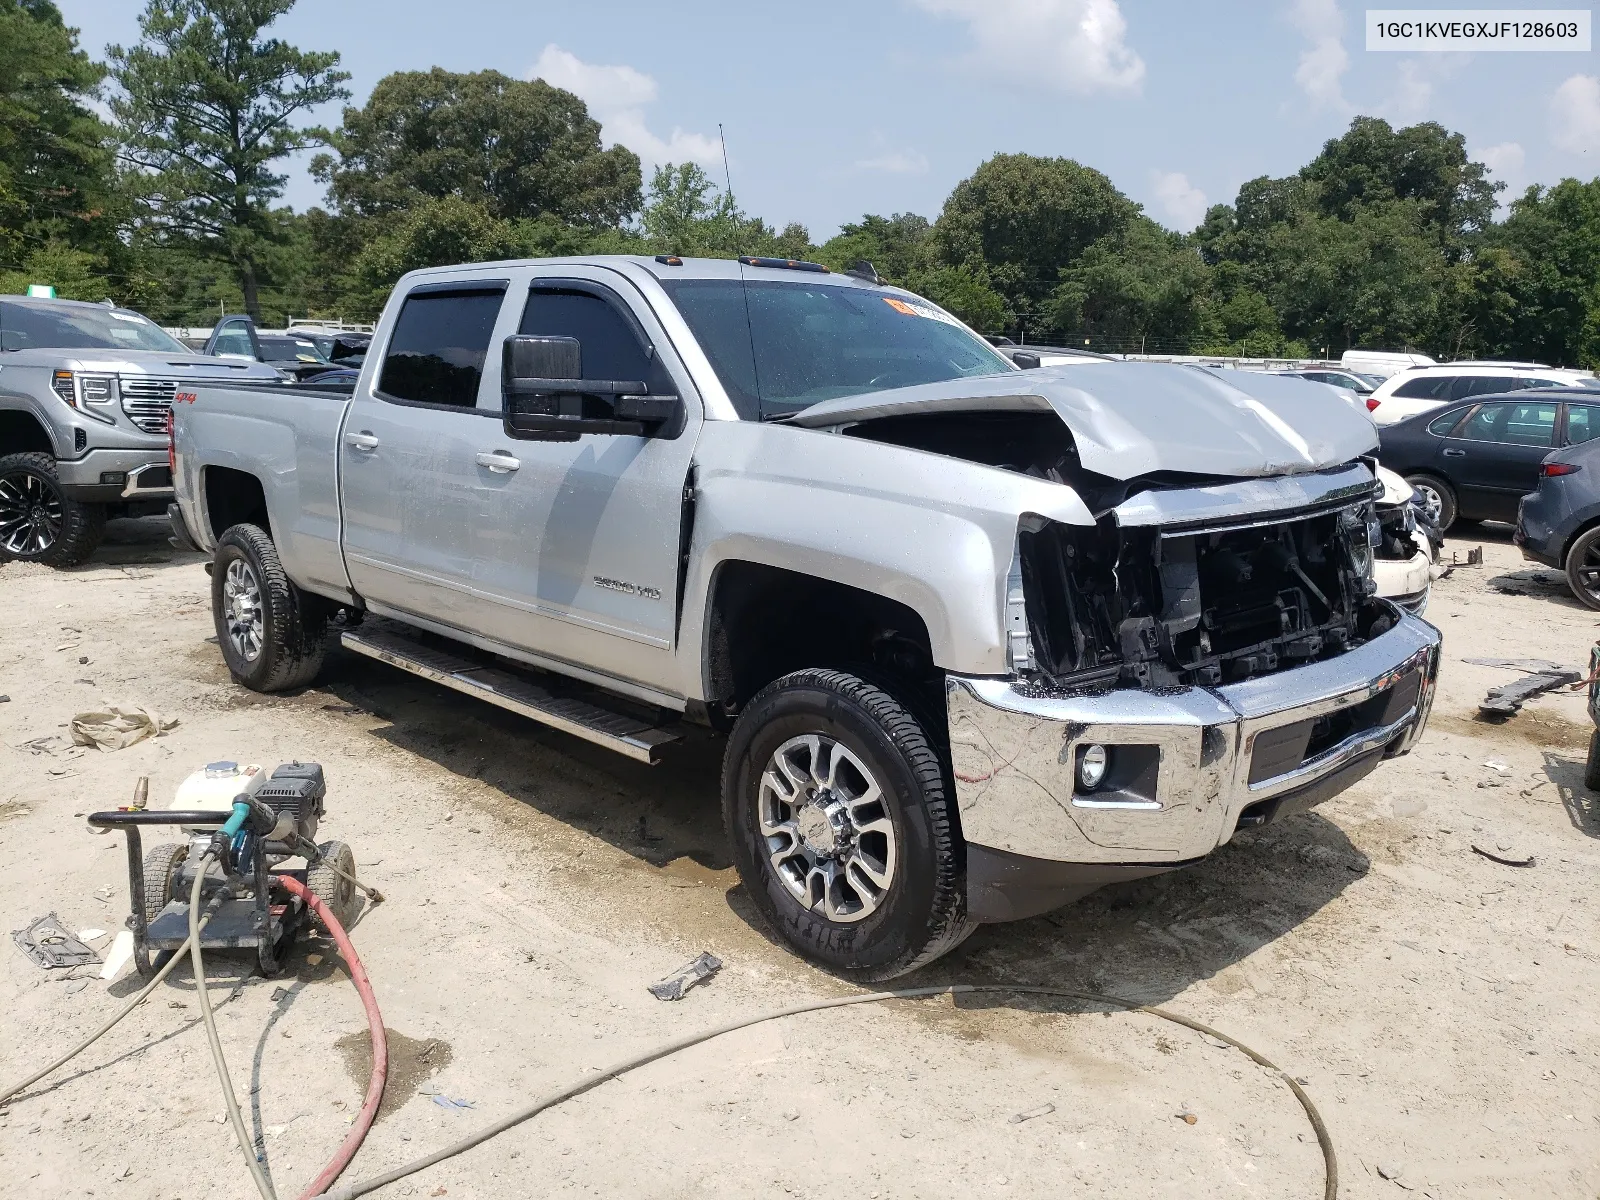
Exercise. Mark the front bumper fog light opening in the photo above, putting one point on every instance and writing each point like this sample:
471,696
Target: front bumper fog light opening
1094,761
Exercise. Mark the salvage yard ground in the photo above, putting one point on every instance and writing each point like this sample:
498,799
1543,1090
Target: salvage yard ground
1439,1007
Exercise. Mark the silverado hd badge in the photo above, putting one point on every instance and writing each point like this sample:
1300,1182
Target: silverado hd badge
630,589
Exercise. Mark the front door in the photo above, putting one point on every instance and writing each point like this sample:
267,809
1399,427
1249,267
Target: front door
579,558
1493,457
412,489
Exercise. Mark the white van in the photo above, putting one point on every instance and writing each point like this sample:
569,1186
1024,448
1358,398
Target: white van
1422,388
1382,362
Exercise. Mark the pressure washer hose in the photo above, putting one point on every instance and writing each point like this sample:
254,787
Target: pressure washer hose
588,1081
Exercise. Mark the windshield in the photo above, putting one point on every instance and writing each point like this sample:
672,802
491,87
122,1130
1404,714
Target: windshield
780,347
277,348
81,327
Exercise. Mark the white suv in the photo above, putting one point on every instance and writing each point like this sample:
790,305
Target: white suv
1422,388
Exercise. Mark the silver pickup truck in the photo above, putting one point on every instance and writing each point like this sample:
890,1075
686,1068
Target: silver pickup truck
84,394
981,638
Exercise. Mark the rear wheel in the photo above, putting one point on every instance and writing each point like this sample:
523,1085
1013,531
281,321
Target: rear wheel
272,634
1591,769
332,888
38,523
1438,499
1583,568
842,828
161,867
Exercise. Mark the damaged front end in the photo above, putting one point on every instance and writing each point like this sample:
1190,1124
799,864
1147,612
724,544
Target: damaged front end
1158,594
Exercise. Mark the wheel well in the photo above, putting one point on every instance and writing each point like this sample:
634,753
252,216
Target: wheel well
234,498
20,433
1577,533
766,622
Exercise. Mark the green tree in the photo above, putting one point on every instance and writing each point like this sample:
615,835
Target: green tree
1140,286
56,179
896,246
206,105
1544,277
519,148
688,214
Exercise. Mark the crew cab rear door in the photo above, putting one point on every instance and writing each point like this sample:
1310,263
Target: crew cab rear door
578,550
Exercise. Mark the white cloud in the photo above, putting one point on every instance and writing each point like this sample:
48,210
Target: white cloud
1183,204
1575,115
1505,163
1412,92
1324,62
896,162
1068,45
617,97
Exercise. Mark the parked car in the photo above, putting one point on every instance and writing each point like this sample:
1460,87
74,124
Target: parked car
1558,524
294,354
982,641
1424,389
1474,460
341,347
85,391
1361,385
1382,363
1404,556
1028,356
1591,768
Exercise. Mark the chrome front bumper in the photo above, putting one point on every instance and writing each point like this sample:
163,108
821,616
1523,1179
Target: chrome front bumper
1197,761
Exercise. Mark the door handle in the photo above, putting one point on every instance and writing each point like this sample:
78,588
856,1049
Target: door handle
361,441
1455,453
498,461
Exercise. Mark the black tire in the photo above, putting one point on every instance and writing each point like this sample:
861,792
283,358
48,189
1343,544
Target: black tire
38,523
327,885
1583,569
921,914
161,865
1591,769
1449,510
289,640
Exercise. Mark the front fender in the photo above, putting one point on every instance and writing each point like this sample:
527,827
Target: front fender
933,533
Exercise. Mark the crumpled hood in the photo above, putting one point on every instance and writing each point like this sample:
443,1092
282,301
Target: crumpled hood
160,363
1133,419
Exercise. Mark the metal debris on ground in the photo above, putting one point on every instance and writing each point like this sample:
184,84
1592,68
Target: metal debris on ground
119,727
1507,699
1538,666
1044,1110
687,976
50,944
1501,857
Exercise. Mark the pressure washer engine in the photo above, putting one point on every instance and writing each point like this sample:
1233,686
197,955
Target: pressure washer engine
269,819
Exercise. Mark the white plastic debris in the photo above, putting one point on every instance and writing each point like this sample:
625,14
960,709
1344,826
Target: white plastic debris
119,956
119,727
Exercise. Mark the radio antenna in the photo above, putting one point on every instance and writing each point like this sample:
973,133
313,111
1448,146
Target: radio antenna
727,176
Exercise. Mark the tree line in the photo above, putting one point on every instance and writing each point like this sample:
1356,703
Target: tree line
1388,238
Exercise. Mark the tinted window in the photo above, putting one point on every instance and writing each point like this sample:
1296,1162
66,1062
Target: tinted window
437,351
1536,383
780,347
1485,385
81,327
1512,424
233,340
290,349
1443,425
611,346
1427,387
1583,423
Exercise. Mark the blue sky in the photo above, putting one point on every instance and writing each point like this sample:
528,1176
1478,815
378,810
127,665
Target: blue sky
833,109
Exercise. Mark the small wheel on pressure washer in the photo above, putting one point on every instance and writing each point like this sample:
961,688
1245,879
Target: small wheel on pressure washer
161,866
328,886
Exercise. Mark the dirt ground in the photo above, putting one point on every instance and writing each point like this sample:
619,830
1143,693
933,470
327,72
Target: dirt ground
1439,1007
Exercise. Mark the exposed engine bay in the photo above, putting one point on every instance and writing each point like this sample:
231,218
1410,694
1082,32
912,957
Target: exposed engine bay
1165,606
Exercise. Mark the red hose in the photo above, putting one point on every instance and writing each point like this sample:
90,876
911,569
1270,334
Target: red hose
380,1045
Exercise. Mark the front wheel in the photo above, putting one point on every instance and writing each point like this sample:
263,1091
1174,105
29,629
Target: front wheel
272,634
38,522
842,826
1438,499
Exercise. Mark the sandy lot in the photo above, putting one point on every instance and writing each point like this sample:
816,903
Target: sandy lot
1441,1008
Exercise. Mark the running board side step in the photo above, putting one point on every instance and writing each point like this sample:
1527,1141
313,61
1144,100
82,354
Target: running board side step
636,738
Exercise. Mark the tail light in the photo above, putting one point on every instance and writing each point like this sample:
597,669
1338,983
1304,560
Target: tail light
172,446
1372,405
1551,470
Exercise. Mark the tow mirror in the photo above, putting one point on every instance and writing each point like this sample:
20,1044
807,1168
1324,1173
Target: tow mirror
546,397
1026,359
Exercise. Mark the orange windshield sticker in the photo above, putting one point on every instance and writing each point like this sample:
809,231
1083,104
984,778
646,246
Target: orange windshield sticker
901,307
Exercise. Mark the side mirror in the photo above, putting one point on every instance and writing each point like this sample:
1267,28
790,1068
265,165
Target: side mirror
1026,359
546,398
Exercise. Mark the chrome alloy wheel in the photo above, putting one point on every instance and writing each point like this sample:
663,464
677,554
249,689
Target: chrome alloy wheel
241,608
1432,502
30,514
827,828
